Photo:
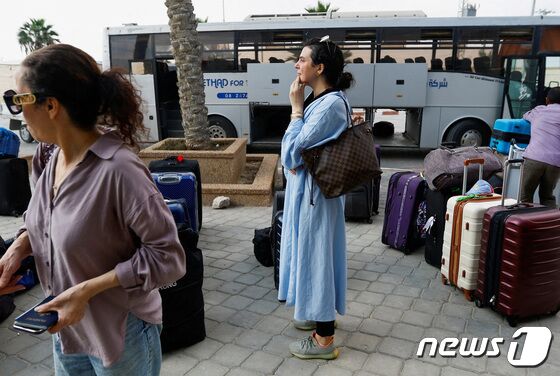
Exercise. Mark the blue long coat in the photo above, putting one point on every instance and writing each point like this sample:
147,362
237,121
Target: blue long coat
313,244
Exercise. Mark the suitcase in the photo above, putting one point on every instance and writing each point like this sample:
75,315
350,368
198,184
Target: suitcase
276,235
9,144
278,203
462,233
183,301
506,130
519,269
362,203
180,211
436,205
15,191
180,185
180,164
405,193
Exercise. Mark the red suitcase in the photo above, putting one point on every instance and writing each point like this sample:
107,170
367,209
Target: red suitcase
519,268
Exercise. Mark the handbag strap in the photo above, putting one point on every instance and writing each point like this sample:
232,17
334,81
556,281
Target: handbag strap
348,113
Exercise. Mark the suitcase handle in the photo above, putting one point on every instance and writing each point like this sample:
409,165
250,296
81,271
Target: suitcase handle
507,166
466,163
169,179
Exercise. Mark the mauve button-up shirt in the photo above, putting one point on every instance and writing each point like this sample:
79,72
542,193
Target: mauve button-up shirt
545,134
107,215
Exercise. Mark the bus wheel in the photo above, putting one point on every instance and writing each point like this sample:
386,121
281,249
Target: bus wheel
25,135
468,133
221,127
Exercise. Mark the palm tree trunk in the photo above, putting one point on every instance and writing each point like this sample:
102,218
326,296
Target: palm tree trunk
187,52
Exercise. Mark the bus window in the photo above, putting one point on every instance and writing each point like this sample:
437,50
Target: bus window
522,87
552,72
420,45
127,48
162,45
217,51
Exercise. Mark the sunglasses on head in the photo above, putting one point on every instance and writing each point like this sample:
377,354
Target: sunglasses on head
15,101
326,39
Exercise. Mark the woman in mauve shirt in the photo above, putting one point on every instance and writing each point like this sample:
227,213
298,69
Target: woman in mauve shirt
101,234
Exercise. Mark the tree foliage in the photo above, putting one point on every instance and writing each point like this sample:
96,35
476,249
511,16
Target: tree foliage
320,8
36,34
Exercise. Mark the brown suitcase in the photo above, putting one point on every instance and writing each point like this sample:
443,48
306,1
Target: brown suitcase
519,268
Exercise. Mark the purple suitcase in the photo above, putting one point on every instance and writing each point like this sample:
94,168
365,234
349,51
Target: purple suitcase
177,185
404,196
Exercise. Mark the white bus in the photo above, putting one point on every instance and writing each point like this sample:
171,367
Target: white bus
456,85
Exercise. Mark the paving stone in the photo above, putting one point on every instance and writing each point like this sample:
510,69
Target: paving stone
407,332
177,364
470,364
454,324
273,324
397,347
417,318
243,267
38,352
457,310
263,362
285,312
358,309
19,343
482,329
237,302
487,315
401,270
420,305
232,288
227,275
294,366
34,370
416,282
211,283
203,350
225,332
500,366
391,278
351,359
263,307
366,275
12,365
215,297
208,368
387,260
349,323
409,291
253,339
381,287
363,342
245,319
438,296
219,313
376,267
400,302
242,372
371,298
364,257
231,355
376,327
356,265
384,365
279,345
416,368
357,284
330,369
255,292
387,314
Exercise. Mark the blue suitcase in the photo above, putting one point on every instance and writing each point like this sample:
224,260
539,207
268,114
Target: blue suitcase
177,185
507,129
9,144
180,211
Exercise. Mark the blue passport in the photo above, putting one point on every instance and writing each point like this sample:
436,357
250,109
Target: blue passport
34,322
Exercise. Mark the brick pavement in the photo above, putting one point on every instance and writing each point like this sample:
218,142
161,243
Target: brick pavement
393,302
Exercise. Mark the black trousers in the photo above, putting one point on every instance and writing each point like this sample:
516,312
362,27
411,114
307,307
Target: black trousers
325,328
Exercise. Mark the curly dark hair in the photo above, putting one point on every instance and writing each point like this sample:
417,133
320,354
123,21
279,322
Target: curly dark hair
89,96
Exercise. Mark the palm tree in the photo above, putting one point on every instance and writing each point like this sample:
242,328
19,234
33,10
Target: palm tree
320,8
187,52
36,34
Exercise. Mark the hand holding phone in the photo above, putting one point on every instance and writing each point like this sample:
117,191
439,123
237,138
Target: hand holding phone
34,322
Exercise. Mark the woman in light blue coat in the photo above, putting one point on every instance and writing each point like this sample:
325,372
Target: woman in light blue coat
313,244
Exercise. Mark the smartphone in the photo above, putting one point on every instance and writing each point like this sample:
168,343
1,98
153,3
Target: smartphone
34,322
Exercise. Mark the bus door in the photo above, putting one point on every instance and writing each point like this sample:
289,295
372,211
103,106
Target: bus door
521,86
142,75
550,73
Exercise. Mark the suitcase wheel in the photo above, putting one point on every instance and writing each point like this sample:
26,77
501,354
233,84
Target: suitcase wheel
478,303
512,321
468,295
444,280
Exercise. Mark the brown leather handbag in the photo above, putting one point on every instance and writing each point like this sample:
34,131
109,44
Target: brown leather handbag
342,164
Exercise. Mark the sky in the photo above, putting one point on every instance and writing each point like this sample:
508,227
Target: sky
81,23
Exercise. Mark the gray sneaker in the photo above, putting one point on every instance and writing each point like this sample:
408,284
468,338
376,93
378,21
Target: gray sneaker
307,348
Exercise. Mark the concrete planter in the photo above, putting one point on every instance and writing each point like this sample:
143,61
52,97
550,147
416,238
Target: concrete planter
216,167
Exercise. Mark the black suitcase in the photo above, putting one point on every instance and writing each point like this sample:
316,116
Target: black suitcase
183,301
436,204
276,235
362,203
175,164
15,191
